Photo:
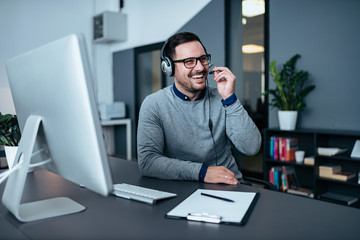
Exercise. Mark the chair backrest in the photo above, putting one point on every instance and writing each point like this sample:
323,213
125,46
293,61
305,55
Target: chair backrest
249,180
255,182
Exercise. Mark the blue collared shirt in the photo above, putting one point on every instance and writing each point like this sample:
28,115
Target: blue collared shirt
184,97
227,102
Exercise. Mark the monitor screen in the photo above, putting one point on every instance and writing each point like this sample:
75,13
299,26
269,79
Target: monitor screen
57,112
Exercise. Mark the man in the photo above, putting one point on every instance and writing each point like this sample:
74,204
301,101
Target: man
185,130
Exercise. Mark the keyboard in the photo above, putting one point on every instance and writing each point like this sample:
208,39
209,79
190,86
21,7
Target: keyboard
142,194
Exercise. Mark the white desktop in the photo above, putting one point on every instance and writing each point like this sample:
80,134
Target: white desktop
57,112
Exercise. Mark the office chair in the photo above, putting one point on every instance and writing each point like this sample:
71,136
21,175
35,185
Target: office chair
247,180
255,182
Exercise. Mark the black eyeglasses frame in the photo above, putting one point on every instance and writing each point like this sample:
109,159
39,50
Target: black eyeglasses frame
208,56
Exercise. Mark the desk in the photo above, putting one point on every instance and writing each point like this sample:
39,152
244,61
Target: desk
127,123
275,216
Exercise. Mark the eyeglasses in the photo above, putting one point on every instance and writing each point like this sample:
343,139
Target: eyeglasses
191,62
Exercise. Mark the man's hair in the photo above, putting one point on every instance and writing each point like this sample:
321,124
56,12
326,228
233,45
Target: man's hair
177,39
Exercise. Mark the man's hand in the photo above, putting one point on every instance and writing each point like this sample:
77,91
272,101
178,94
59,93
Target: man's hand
220,174
225,81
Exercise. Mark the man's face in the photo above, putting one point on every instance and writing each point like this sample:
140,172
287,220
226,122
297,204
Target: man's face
190,81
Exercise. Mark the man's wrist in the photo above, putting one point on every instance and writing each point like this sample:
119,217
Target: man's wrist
202,172
229,101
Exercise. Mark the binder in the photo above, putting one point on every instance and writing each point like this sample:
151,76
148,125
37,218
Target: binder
228,207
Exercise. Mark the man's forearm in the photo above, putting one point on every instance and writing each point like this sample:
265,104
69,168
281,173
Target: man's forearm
241,130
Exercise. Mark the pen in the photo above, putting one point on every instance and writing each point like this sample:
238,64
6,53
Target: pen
217,197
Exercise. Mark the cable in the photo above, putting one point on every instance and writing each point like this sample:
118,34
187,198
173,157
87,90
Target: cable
5,175
210,122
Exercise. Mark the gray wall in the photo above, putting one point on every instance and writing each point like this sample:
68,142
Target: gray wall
234,55
208,24
124,91
326,35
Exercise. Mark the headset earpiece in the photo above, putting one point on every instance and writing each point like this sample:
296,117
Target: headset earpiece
167,66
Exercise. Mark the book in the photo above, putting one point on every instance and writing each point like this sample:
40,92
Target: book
309,160
283,181
301,191
333,171
276,148
276,178
289,177
283,177
330,151
283,148
339,198
327,170
343,176
271,175
272,138
291,147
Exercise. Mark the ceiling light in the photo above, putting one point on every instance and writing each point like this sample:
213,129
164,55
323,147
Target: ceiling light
252,8
252,48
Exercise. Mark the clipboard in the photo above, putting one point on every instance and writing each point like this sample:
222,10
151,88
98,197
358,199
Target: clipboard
228,207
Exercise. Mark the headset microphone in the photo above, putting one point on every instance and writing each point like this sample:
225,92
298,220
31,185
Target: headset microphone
212,71
211,66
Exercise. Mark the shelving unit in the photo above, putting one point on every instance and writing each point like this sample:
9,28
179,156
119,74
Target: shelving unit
308,175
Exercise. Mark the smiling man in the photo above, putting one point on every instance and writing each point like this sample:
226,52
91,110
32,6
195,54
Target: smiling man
186,130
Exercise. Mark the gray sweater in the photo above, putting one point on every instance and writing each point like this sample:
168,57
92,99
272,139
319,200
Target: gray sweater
174,138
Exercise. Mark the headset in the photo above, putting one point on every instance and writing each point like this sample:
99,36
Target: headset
167,65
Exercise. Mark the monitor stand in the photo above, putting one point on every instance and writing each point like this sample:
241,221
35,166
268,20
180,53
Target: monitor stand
32,211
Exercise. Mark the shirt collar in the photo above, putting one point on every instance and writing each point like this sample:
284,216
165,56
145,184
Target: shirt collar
184,97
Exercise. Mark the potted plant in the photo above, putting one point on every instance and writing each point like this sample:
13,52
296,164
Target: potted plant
291,89
9,136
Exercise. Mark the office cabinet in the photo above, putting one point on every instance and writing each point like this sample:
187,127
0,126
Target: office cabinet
308,176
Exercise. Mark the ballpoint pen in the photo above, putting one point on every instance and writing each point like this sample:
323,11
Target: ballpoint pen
217,197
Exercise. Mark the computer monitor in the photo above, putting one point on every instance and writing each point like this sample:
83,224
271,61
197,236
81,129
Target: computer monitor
57,112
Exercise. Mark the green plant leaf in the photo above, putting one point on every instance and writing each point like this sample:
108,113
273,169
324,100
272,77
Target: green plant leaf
10,133
290,86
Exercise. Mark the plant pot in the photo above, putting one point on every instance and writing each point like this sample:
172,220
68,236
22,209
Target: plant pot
10,153
287,119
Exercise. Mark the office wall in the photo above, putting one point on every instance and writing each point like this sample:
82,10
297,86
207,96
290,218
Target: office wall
152,21
29,24
326,35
